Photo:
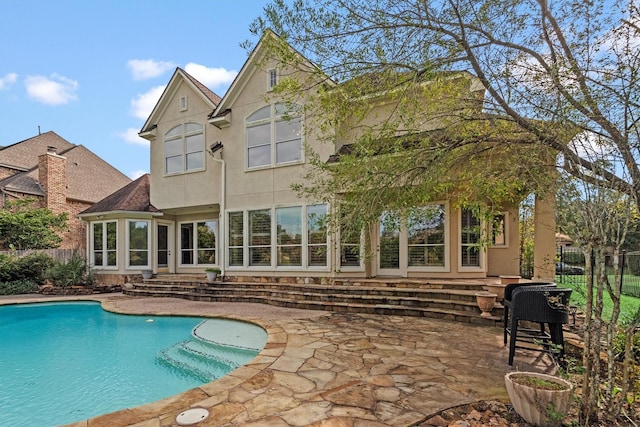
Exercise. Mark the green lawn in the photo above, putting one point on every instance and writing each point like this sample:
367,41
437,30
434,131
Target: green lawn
628,305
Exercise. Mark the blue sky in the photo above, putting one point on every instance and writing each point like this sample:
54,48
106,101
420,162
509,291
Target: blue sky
92,70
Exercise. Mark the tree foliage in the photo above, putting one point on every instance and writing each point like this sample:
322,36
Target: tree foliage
558,78
25,226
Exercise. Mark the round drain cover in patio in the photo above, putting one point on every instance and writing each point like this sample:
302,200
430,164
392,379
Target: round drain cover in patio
192,416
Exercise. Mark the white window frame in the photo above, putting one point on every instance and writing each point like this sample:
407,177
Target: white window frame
182,137
128,247
104,250
272,120
481,250
246,265
195,249
447,241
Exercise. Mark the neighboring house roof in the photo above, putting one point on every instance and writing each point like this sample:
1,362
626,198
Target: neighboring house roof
23,155
133,197
89,178
206,94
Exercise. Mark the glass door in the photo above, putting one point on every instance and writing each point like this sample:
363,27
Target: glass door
163,247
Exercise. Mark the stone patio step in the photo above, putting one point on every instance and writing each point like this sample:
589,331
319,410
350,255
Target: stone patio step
444,301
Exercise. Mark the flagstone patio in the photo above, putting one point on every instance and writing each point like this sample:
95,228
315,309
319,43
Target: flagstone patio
330,369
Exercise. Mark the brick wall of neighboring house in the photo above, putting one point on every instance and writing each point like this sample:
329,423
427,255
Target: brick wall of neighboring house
52,175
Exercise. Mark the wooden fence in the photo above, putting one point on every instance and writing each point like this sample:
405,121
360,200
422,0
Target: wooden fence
62,255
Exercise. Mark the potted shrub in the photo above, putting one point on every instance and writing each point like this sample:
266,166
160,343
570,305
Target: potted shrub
540,399
212,273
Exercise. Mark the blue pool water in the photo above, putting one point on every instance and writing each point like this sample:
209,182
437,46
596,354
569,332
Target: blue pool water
65,362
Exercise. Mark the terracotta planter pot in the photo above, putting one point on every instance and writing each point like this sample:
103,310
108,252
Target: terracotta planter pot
536,404
485,300
498,289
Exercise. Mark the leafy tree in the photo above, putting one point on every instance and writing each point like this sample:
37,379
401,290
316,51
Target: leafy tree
559,78
25,226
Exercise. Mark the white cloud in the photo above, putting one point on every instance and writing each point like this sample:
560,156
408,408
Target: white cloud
131,136
136,174
142,69
143,104
8,80
52,90
210,77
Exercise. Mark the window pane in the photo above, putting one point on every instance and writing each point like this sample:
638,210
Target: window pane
289,151
236,228
186,243
259,135
350,255
138,235
97,236
97,258
287,130
260,227
192,127
195,161
174,164
173,148
174,131
289,223
111,236
470,236
138,258
195,143
260,237
259,156
207,242
261,114
290,255
111,258
317,255
236,256
317,224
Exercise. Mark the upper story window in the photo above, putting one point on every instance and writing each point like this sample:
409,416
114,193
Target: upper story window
272,78
184,148
274,136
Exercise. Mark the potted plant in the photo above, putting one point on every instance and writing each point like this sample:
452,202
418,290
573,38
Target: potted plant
485,300
540,399
212,273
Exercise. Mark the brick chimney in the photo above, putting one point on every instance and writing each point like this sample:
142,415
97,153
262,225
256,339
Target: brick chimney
52,174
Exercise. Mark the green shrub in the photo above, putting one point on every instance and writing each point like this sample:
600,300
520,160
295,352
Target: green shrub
17,287
75,272
15,272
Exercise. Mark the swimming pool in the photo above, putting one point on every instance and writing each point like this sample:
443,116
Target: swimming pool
64,362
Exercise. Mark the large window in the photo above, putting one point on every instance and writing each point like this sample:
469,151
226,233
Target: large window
184,148
236,239
350,244
104,249
469,239
426,237
138,242
289,235
198,242
274,136
292,236
260,237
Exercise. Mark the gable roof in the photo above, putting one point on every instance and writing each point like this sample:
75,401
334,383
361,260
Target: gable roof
249,67
133,197
207,95
89,178
22,155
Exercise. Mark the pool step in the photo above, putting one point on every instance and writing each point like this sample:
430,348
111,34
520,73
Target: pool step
203,360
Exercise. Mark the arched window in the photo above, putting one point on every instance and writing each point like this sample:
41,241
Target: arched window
274,136
184,148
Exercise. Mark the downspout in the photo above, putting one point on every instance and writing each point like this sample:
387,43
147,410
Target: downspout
221,215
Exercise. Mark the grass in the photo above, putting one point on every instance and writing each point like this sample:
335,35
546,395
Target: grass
628,305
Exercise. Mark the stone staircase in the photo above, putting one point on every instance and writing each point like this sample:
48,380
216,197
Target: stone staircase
445,299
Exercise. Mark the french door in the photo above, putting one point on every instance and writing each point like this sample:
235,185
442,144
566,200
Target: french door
164,245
